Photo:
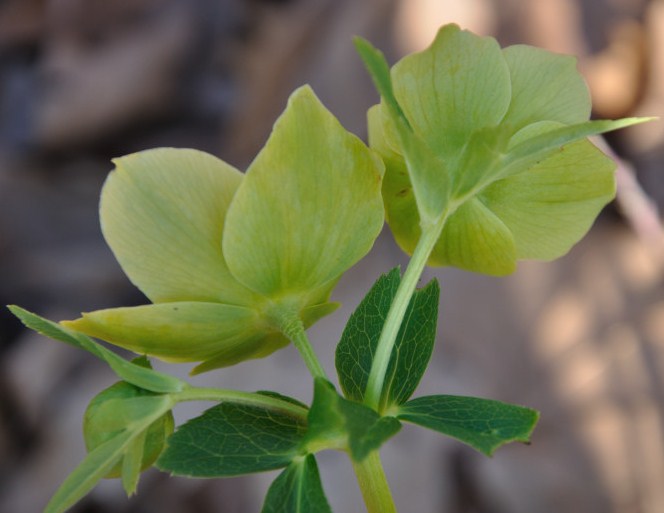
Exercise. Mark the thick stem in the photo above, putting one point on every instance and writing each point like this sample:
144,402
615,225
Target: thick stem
238,397
373,484
395,315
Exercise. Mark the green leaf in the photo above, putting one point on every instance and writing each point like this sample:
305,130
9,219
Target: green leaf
356,349
535,149
100,461
413,346
132,461
375,63
428,172
130,372
309,206
184,331
162,213
483,424
90,471
233,439
335,422
297,489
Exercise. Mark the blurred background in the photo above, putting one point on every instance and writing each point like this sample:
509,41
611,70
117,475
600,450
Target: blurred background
581,339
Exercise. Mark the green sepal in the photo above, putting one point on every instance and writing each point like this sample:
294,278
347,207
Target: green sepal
308,208
298,489
137,375
484,424
335,422
184,331
427,171
413,346
233,439
101,460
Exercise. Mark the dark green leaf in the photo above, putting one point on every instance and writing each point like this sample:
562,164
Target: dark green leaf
297,490
356,349
412,349
338,422
130,372
233,439
483,424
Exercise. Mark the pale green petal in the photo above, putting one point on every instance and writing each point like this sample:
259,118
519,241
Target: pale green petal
545,86
258,347
460,84
552,205
162,214
180,331
309,206
263,346
475,239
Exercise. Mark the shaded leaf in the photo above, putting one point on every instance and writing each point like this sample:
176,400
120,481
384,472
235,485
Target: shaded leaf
413,346
233,439
483,424
297,489
338,422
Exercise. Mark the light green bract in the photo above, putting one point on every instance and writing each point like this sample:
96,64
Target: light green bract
488,143
231,261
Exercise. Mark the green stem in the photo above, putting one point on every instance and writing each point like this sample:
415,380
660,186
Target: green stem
293,329
373,484
238,397
395,315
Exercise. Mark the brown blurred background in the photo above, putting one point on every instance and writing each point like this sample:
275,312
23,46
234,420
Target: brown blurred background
581,339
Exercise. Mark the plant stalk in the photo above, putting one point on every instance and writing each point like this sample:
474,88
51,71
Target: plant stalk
395,315
373,485
238,397
294,330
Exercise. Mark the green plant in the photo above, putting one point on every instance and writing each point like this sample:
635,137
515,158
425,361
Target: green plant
478,158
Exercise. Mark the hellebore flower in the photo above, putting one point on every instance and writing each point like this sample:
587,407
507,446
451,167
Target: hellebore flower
229,260
492,140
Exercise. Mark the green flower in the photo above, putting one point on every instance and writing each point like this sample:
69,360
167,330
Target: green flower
492,143
230,260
